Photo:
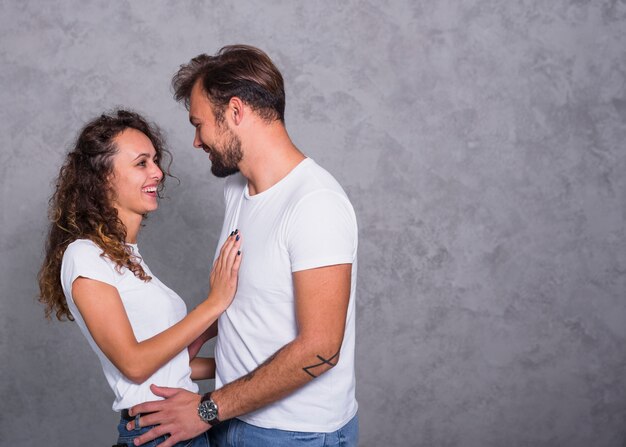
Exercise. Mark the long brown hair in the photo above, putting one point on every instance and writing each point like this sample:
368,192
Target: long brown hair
80,207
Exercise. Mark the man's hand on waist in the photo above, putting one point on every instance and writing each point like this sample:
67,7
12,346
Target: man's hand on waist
176,415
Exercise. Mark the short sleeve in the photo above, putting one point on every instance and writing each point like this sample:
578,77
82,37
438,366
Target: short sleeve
82,258
322,231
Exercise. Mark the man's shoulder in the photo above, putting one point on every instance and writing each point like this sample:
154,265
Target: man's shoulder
314,178
317,193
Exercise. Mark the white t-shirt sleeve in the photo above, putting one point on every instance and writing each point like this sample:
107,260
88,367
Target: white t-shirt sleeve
82,258
322,231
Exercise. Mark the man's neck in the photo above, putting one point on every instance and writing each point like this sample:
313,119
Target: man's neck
268,158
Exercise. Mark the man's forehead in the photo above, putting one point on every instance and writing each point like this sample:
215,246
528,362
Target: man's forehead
197,100
197,112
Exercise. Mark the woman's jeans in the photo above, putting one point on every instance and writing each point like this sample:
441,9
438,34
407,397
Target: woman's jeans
236,433
126,437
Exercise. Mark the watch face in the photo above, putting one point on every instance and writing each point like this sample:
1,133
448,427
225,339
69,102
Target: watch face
207,410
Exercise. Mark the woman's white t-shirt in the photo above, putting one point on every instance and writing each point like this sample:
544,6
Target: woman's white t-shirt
151,308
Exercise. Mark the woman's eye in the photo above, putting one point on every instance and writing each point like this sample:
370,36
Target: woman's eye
142,163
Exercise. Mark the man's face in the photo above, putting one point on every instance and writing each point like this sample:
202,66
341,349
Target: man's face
214,135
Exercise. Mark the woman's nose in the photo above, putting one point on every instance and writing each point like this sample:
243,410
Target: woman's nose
157,174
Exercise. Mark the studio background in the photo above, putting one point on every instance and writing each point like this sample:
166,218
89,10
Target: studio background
482,144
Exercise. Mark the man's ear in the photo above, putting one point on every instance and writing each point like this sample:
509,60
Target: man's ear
236,110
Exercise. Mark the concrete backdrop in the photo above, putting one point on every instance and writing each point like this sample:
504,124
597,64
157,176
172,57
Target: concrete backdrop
481,142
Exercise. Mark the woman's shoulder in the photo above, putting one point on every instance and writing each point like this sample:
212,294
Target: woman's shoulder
82,247
84,258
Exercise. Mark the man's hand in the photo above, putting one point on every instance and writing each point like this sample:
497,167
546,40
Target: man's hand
177,415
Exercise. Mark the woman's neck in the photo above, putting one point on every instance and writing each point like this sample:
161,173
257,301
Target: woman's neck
132,222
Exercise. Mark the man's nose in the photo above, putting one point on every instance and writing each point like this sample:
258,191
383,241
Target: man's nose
197,142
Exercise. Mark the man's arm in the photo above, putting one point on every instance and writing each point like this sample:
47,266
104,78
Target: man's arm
322,297
202,368
195,346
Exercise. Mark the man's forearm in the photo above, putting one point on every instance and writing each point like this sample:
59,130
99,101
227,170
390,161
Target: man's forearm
290,368
196,345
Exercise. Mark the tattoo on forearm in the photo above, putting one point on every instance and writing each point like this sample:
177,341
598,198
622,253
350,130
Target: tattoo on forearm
324,361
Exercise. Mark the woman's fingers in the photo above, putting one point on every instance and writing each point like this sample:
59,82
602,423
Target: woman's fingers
226,267
227,248
237,262
233,257
220,258
228,253
218,263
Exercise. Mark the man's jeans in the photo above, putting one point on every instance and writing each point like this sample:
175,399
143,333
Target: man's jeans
236,433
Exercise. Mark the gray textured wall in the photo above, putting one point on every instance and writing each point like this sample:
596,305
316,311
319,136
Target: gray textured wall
482,144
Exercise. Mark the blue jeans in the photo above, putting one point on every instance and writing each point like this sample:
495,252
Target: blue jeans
236,433
126,437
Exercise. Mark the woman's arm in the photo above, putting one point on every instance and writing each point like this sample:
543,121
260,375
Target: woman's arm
202,368
101,307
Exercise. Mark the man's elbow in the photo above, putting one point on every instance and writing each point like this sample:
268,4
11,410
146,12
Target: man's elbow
323,358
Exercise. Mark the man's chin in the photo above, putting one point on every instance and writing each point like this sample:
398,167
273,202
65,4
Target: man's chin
221,171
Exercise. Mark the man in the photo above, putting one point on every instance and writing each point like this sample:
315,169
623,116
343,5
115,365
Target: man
285,347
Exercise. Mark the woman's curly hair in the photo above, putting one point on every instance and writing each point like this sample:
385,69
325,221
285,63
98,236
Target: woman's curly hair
81,207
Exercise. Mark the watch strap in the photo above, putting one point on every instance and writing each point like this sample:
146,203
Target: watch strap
205,398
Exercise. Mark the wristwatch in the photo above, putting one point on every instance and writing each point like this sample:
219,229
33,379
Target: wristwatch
207,410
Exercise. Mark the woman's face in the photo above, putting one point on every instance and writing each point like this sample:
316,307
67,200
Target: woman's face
136,175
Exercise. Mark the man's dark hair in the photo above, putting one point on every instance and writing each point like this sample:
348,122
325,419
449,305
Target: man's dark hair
236,70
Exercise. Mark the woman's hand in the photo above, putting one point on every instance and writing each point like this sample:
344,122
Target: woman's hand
225,271
101,307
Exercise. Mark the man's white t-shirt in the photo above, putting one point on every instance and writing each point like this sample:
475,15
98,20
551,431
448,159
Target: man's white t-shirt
151,308
303,222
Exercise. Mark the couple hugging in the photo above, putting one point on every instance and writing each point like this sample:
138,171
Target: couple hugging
281,301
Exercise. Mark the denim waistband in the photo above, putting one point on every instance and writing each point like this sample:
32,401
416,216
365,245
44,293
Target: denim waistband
127,417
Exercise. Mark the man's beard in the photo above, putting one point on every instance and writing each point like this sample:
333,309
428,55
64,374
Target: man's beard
224,162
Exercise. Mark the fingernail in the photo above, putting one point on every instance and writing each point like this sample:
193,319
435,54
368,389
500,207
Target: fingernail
232,232
237,238
238,252
236,231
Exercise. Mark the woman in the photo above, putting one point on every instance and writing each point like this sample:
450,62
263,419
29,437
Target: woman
94,274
